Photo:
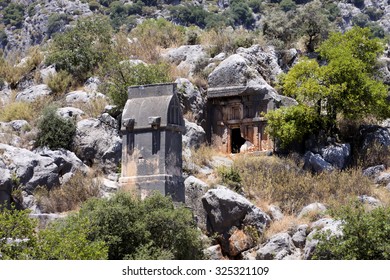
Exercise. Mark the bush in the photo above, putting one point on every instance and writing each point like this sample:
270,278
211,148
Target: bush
3,38
231,178
63,239
17,238
56,23
148,229
80,50
14,15
67,239
365,235
54,131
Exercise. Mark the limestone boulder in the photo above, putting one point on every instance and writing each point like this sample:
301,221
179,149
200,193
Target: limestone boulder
47,73
312,209
80,96
70,113
194,191
92,84
187,57
315,163
299,237
194,135
42,167
192,101
277,247
374,135
372,201
373,171
33,93
226,209
5,93
97,143
275,213
337,155
214,253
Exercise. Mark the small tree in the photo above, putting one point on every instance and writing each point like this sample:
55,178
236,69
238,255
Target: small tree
345,86
80,50
54,131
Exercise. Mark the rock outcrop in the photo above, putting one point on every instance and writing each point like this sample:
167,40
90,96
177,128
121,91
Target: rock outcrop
97,143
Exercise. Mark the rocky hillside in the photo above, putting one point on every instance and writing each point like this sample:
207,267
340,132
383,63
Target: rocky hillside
64,72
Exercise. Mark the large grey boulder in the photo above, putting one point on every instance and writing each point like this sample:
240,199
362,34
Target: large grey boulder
191,99
70,113
67,162
337,155
194,135
194,191
42,167
278,247
299,237
33,93
311,209
47,73
373,171
374,135
315,163
80,96
30,169
97,142
226,209
249,66
186,57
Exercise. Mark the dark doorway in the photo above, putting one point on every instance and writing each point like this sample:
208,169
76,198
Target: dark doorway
237,141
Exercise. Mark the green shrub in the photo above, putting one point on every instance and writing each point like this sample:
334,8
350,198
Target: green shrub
149,229
3,38
80,50
68,239
16,225
54,131
63,239
231,178
287,5
365,235
13,15
56,23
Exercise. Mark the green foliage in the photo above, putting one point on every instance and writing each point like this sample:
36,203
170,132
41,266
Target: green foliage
17,238
121,75
365,235
189,14
63,239
241,14
151,228
288,5
80,50
291,125
54,131
345,86
67,239
13,15
56,23
255,5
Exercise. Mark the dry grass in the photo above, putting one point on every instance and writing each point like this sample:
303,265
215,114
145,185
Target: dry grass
93,108
70,195
17,111
280,181
287,224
